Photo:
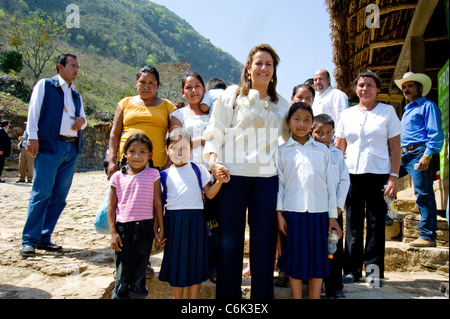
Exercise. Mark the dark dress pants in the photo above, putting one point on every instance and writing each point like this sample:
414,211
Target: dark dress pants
365,201
259,196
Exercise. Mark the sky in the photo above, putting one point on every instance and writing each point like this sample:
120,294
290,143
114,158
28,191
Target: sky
298,30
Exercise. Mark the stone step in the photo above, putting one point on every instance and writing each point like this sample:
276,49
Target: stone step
410,229
399,256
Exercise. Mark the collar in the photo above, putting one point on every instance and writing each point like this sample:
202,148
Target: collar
292,142
63,83
419,101
328,90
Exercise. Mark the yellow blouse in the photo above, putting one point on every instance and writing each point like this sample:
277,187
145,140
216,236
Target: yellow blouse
153,121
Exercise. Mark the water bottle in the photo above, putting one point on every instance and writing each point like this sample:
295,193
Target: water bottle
332,243
392,208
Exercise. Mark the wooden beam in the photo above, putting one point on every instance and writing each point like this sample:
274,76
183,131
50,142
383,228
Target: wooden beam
386,43
419,22
382,67
390,98
397,7
417,60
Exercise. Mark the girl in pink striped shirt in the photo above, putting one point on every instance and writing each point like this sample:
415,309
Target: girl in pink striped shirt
135,216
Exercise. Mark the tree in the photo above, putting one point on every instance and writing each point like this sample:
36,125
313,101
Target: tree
170,78
37,40
11,60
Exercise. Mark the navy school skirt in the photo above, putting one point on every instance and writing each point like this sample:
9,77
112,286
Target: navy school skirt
185,254
305,252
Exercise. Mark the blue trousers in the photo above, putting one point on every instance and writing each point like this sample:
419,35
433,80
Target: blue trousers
258,195
53,174
423,189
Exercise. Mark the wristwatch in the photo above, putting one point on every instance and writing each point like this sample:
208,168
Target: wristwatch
395,175
428,156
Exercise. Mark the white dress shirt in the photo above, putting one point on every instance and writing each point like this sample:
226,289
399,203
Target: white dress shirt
307,180
367,134
331,102
34,109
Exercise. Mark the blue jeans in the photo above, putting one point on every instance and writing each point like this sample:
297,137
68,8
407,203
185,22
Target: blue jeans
423,189
53,173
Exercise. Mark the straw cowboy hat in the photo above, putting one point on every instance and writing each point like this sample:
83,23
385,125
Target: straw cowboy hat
417,77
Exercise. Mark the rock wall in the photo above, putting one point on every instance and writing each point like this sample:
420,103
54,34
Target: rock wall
96,139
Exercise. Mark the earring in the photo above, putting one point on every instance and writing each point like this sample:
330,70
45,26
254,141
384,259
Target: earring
271,80
249,77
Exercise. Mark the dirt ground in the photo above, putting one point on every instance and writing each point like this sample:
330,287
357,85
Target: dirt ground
85,268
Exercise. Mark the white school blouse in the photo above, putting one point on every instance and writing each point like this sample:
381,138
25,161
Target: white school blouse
367,134
306,178
183,190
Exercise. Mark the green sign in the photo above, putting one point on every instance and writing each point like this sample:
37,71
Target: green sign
443,89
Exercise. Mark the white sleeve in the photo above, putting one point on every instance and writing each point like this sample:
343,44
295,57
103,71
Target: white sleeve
331,178
221,118
280,195
34,109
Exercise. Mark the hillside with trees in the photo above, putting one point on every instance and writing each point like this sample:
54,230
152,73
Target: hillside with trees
113,40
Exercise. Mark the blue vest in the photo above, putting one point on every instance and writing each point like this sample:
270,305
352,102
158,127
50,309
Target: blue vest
51,115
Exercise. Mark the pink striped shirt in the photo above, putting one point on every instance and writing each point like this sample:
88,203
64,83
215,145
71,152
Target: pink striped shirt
134,195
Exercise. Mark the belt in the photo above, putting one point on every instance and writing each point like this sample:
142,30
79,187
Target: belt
68,139
410,147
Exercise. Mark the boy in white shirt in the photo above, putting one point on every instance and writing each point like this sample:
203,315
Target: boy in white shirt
323,132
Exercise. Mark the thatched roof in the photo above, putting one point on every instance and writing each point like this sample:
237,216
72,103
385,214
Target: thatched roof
412,36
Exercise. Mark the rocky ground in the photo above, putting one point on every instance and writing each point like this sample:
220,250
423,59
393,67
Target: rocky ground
85,268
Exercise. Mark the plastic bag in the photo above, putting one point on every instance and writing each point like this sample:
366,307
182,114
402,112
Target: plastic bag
101,219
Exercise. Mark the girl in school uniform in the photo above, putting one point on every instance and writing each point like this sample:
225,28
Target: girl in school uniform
306,205
135,217
185,256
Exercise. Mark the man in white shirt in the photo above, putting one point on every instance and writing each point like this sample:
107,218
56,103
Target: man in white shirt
55,120
328,100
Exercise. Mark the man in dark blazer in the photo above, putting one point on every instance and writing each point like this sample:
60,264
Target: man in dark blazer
5,145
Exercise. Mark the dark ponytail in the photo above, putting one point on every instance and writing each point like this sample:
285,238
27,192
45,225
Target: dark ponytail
123,165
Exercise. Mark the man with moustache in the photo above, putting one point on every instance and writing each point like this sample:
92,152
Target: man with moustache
328,100
55,120
421,138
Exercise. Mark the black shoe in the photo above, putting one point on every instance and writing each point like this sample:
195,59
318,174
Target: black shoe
49,247
339,294
20,181
349,278
2,181
27,251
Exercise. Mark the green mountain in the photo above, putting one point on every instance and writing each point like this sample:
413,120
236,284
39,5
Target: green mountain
117,37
